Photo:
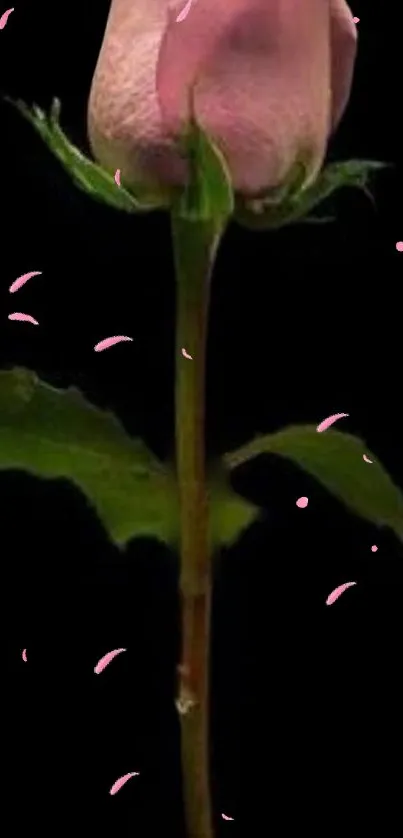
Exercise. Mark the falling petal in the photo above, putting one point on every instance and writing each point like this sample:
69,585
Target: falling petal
374,548
338,592
106,659
185,11
107,342
185,355
26,318
117,177
24,655
302,502
226,818
367,460
122,781
4,18
21,280
323,426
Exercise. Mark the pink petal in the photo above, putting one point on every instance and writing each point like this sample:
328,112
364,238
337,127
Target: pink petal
122,781
107,342
24,655
106,659
254,63
226,818
4,18
124,124
366,459
185,11
21,280
343,33
25,318
338,592
263,71
323,426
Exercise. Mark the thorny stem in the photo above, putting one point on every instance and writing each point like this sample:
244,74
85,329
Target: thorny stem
194,250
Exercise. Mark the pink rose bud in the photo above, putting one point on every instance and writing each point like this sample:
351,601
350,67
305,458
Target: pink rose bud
272,80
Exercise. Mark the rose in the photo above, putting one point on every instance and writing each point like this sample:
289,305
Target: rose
272,80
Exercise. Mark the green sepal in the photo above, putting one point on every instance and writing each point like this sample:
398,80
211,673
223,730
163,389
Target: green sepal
87,175
294,202
208,194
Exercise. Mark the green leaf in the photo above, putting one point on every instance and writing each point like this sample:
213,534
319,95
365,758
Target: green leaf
297,201
87,175
208,194
336,460
57,433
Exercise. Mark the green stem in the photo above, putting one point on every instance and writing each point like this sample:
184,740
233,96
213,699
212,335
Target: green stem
194,250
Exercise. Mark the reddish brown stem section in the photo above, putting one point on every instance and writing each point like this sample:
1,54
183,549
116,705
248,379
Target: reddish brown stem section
194,246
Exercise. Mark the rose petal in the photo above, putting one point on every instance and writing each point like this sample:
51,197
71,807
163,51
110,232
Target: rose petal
21,280
343,33
4,18
122,781
263,75
337,592
24,318
106,659
263,89
106,343
185,11
330,420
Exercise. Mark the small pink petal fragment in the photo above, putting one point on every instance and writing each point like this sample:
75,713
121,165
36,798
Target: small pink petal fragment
122,781
117,177
4,18
22,280
399,247
227,818
302,503
185,11
107,342
323,426
24,655
26,318
185,355
338,592
374,548
106,659
366,459
356,19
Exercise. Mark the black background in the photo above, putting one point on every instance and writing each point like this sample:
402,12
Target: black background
307,700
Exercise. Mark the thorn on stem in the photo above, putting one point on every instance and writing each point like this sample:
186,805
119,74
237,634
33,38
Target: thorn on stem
185,702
